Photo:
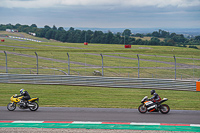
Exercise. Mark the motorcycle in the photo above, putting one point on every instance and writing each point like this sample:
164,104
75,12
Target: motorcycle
31,104
150,106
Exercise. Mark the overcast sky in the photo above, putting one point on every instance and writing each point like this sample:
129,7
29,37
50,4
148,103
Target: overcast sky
102,13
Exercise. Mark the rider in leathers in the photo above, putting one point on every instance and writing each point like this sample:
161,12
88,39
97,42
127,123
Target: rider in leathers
25,95
155,98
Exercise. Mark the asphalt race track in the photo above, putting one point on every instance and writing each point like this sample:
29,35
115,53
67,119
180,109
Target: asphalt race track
100,114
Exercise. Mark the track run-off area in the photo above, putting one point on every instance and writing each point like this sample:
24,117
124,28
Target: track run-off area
100,118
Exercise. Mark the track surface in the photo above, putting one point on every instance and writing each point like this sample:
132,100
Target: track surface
100,114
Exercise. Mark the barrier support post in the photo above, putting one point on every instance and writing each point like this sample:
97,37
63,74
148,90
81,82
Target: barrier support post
36,61
6,62
68,64
138,65
102,63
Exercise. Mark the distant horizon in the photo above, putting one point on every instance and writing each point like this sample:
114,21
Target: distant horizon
39,26
141,27
190,31
106,27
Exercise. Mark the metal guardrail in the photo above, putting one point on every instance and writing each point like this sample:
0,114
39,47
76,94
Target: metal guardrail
149,83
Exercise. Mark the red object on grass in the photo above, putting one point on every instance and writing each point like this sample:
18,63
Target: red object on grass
85,43
2,40
128,46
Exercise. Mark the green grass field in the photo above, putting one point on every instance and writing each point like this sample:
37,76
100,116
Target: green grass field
147,38
157,58
98,97
155,61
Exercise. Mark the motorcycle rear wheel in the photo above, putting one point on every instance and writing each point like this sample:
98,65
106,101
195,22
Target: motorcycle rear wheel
11,107
142,109
164,109
34,107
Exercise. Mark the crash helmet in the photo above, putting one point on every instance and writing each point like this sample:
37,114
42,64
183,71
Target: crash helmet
152,92
21,91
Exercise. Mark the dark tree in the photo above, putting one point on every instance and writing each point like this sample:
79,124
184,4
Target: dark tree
126,32
34,25
54,27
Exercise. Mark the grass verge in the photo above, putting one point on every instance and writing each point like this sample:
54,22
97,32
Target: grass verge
98,97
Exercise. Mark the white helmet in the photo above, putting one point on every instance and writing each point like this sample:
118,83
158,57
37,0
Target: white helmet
21,91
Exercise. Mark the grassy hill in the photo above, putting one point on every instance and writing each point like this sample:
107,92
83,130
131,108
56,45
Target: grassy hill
155,61
147,38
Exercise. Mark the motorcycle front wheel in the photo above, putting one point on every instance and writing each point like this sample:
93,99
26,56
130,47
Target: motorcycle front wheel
11,106
33,106
164,109
142,109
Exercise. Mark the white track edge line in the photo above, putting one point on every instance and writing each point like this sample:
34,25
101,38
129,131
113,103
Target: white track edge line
27,121
195,125
86,122
135,123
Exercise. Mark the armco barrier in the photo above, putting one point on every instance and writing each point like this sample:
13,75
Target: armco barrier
148,83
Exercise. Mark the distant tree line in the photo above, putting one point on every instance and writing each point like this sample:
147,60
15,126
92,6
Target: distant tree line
126,37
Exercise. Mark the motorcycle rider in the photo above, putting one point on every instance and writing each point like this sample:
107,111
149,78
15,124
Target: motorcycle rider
155,98
25,97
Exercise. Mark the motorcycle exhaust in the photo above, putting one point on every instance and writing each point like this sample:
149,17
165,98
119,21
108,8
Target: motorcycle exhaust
30,105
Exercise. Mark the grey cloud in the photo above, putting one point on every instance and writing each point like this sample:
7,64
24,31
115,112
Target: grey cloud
118,3
115,16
